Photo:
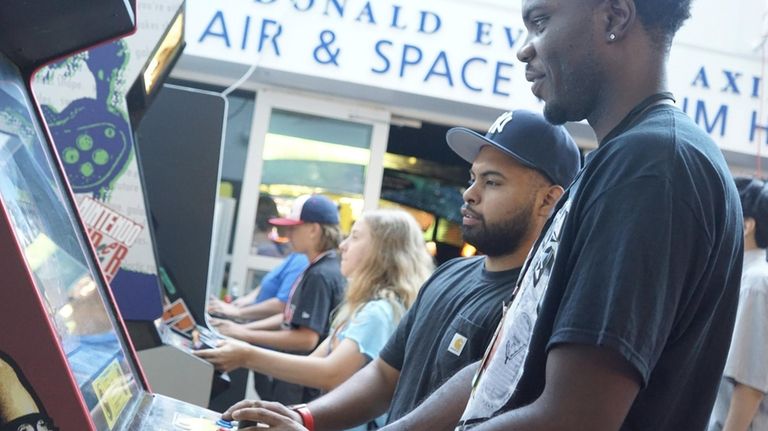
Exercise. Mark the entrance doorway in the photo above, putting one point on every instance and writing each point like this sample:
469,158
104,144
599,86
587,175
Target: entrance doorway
300,145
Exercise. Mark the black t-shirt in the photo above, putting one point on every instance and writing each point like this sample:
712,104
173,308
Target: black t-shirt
446,329
320,291
643,257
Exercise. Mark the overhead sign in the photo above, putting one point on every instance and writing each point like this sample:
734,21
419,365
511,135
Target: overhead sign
722,93
436,48
462,51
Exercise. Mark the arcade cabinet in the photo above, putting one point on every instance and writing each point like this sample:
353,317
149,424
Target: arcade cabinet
66,361
179,144
93,130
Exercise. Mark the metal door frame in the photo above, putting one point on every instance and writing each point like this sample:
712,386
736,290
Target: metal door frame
268,100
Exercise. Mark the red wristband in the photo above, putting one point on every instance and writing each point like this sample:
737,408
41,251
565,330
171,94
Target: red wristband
306,416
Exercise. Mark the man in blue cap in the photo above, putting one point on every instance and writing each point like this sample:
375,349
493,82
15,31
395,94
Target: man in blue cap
520,169
306,318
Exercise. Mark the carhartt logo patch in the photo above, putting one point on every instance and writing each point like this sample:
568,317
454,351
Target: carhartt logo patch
457,344
500,123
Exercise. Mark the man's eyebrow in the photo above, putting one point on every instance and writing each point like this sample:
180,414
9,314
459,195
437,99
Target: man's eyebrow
485,172
491,173
529,10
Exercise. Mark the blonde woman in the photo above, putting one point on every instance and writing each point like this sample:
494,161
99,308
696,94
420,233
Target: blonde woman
385,261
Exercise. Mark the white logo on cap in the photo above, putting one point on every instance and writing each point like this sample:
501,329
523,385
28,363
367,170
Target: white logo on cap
500,123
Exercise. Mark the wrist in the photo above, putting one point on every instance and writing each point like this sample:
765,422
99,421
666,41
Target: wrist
306,416
252,358
239,331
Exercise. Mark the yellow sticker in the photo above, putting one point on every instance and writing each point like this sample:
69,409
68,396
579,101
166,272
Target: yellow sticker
111,389
188,423
457,344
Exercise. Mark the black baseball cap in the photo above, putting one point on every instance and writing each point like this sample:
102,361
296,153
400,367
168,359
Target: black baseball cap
528,138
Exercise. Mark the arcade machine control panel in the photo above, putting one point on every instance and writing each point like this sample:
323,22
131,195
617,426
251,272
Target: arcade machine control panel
71,359
183,418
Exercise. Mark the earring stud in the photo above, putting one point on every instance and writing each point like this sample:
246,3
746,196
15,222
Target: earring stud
612,36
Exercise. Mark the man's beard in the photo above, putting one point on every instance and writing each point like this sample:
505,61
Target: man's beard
574,106
577,95
499,239
555,114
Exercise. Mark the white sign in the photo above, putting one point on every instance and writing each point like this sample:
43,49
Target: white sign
443,49
722,94
465,51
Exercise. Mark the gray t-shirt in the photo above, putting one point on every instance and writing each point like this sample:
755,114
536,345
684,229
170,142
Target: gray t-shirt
748,357
446,329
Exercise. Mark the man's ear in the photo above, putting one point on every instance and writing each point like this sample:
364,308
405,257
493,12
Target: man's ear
547,199
619,16
749,227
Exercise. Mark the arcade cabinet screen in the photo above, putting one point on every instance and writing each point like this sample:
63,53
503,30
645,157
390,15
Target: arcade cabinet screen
53,245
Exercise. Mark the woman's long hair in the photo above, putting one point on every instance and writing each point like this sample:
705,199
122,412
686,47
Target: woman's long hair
394,269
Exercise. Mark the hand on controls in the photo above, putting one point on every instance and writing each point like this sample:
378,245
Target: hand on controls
227,356
220,308
227,327
275,415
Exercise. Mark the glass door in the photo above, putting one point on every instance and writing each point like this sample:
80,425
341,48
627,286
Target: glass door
302,145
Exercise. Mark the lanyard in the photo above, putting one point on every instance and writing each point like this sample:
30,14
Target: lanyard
636,113
288,310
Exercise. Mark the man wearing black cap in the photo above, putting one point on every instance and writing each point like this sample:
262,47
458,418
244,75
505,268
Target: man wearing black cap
741,402
624,310
520,169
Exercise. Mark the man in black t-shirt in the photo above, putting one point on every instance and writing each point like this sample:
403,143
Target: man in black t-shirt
306,319
519,170
624,310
